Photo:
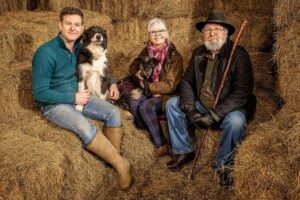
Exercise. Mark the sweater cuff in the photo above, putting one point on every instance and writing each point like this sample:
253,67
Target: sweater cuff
70,98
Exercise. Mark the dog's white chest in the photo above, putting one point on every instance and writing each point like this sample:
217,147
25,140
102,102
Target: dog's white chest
99,65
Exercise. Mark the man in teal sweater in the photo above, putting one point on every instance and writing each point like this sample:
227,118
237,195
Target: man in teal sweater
54,80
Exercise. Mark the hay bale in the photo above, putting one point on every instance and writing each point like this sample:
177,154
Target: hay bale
266,164
45,170
42,161
262,64
125,10
256,35
260,168
295,193
28,30
249,7
286,13
30,167
13,5
21,38
57,5
16,97
266,94
287,50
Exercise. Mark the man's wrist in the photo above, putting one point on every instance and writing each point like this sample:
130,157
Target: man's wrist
214,115
187,107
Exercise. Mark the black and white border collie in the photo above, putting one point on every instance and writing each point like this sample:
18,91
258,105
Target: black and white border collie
93,72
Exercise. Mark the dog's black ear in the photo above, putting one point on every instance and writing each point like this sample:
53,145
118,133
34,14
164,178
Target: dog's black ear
84,38
104,39
154,61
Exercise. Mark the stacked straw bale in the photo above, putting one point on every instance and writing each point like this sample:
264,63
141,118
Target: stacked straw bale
267,164
42,161
249,7
287,46
124,10
13,5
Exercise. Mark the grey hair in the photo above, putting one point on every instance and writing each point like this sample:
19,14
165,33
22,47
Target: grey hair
159,22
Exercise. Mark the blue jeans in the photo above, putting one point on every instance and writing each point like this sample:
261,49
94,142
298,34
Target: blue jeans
232,126
67,117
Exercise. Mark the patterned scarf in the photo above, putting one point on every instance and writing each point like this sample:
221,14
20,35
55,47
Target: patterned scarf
159,54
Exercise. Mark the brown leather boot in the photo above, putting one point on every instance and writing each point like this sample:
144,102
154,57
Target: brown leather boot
180,160
114,135
105,150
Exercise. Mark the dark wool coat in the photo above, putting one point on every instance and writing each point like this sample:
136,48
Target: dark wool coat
238,88
170,75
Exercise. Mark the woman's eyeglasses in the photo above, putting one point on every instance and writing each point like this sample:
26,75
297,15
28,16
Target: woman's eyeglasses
157,32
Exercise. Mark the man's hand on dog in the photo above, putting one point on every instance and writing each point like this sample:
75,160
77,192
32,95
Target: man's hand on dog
82,97
114,92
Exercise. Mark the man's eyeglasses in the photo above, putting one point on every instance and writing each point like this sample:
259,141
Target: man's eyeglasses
157,32
215,30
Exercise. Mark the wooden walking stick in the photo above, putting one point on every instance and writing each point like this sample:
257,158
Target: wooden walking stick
242,27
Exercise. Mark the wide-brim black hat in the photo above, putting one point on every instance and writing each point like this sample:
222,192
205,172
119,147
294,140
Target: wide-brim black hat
216,17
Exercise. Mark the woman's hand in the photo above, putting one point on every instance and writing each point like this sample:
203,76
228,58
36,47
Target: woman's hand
142,85
139,76
114,92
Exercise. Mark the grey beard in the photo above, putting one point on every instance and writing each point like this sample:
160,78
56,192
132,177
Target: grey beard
214,46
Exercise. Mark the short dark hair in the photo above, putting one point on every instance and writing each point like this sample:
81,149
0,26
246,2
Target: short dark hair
70,11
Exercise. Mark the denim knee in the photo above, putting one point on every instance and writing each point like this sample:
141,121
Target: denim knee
114,118
86,133
67,117
171,104
235,120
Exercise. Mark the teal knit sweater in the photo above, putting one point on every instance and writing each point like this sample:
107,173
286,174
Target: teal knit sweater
54,78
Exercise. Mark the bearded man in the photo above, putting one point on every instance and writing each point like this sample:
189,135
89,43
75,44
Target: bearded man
194,107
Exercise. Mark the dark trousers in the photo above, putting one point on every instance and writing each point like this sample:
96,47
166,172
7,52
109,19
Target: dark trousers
145,112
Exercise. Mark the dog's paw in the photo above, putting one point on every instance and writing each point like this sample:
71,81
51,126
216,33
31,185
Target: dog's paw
128,115
79,107
136,94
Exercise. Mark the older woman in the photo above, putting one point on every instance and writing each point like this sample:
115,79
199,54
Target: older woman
166,76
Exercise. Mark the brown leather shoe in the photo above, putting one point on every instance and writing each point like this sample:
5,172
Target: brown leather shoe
161,151
180,161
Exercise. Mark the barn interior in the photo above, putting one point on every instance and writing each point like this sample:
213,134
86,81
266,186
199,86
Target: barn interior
42,161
